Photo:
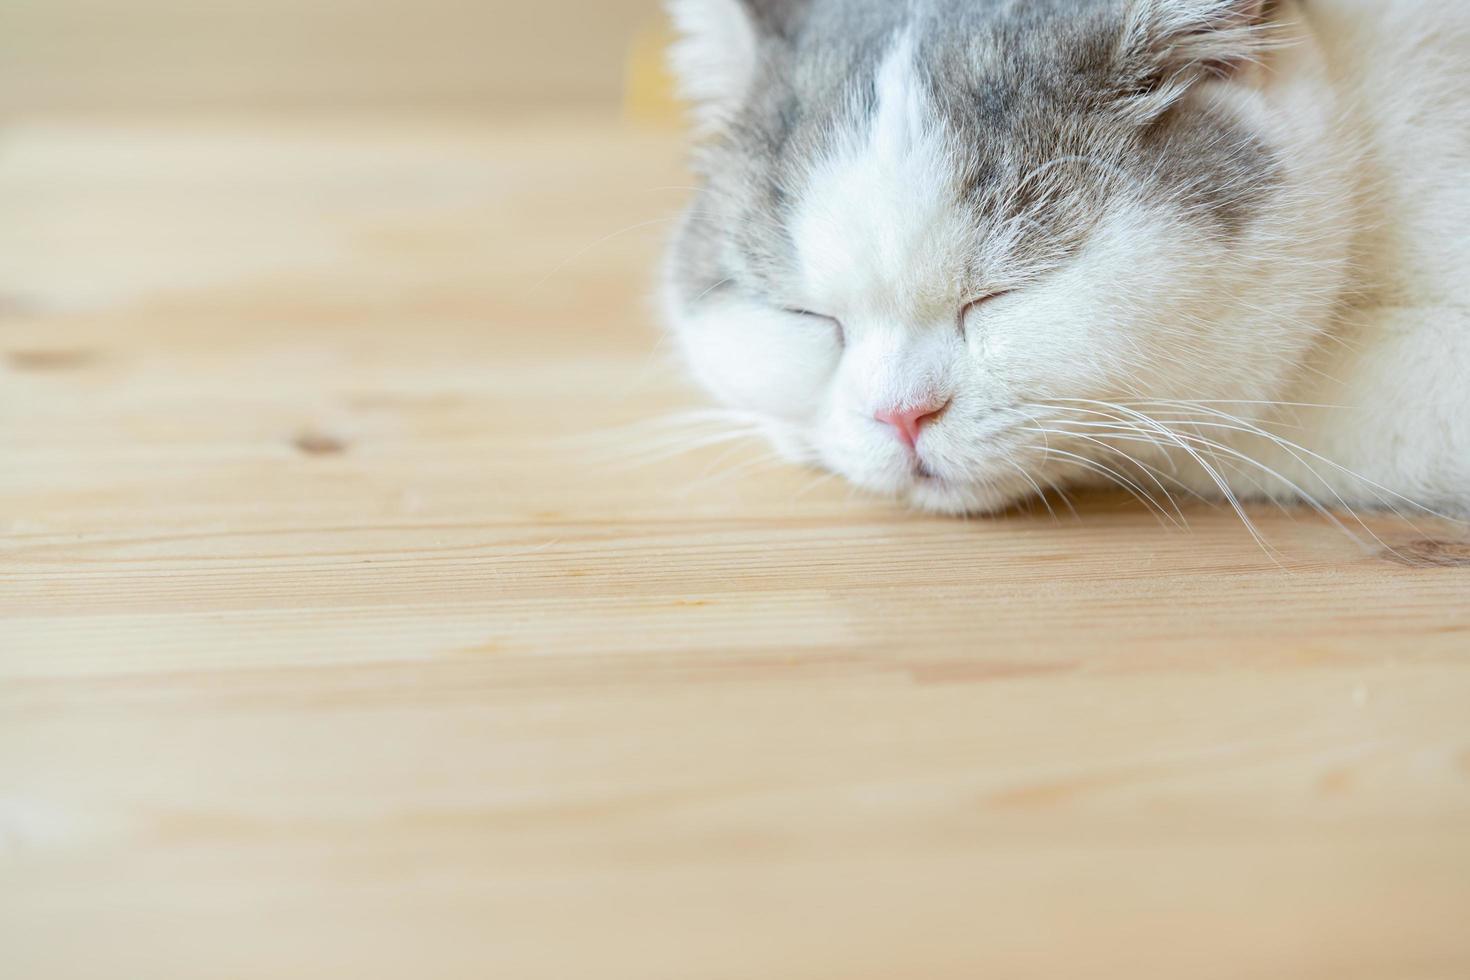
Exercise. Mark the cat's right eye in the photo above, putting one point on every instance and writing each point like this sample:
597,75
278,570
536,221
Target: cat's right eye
832,320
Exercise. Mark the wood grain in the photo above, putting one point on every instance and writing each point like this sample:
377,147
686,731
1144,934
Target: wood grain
339,636
248,55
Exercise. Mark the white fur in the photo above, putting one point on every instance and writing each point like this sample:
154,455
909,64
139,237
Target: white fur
1393,372
1368,113
716,56
878,242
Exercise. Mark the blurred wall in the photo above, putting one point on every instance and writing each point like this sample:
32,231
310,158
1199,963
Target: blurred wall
213,55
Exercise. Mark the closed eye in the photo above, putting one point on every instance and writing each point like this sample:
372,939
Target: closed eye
978,302
832,320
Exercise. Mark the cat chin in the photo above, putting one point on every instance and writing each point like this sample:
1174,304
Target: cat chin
949,499
981,487
946,496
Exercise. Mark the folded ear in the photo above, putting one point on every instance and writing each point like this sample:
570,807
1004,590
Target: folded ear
1219,36
715,57
1168,45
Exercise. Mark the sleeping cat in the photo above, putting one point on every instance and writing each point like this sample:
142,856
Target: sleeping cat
960,251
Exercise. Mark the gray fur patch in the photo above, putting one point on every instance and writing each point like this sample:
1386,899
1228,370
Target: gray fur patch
1039,96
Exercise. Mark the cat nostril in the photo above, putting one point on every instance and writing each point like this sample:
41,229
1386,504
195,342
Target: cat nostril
909,422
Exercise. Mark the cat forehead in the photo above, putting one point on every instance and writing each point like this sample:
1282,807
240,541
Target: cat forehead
871,157
880,220
912,153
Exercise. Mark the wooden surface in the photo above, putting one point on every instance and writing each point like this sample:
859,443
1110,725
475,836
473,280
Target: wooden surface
193,55
343,635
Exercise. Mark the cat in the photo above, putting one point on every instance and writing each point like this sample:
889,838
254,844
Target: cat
962,252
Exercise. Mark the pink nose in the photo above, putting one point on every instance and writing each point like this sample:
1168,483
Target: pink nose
909,422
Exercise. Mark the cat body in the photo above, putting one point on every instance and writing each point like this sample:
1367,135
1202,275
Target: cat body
1398,362
961,251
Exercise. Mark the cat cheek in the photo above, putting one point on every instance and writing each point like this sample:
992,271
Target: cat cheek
753,360
788,442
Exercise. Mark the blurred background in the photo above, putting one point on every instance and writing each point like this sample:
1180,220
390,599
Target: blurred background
500,56
159,147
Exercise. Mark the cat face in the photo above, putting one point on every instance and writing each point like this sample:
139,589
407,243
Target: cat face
926,232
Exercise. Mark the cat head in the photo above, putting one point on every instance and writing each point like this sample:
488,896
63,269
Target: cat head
926,231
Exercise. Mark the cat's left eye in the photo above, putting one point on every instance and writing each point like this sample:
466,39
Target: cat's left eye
980,301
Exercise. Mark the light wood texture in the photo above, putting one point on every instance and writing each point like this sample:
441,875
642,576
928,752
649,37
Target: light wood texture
109,55
338,640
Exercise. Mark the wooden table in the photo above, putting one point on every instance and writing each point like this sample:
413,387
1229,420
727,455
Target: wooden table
353,628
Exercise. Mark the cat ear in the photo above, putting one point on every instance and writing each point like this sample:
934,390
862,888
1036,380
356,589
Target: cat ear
1213,37
715,57
1169,45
